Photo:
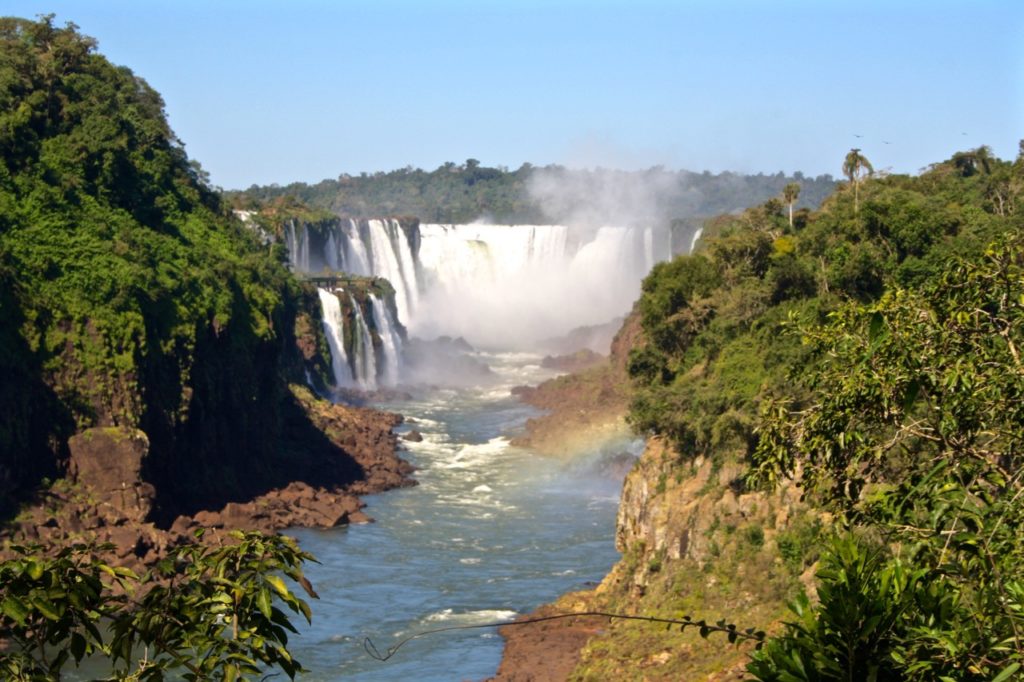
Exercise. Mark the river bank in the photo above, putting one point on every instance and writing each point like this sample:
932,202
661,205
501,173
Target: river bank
336,455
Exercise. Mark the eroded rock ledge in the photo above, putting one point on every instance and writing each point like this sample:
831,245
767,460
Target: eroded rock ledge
105,497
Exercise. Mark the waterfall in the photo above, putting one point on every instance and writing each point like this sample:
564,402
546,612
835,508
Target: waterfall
515,284
371,365
333,254
391,342
334,329
495,285
297,239
362,351
357,258
696,236
392,260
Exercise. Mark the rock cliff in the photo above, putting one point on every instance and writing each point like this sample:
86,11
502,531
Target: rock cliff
585,407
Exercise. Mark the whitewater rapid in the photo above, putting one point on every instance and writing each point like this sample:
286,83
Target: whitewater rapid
490,532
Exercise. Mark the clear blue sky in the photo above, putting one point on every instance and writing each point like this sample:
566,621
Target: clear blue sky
265,92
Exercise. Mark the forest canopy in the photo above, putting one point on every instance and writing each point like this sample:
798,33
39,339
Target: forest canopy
463,193
869,350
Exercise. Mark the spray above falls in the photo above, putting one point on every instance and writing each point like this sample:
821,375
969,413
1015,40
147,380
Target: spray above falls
496,285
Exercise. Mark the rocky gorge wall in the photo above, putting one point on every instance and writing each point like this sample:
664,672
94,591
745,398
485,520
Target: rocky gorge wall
694,540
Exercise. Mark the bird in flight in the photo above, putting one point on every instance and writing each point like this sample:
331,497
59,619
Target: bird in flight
856,135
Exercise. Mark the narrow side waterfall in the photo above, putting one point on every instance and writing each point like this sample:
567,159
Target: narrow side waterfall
696,237
396,264
334,330
391,342
296,238
372,356
362,350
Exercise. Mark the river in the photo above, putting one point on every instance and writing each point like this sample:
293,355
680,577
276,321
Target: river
490,532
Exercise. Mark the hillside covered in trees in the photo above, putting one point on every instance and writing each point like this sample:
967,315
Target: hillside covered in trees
131,298
462,193
836,406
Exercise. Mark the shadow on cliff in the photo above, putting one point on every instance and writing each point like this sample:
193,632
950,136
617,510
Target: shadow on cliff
304,453
34,424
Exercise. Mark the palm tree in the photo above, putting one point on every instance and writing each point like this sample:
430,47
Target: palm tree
790,193
855,167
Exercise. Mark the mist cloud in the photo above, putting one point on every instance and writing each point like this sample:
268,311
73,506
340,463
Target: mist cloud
600,197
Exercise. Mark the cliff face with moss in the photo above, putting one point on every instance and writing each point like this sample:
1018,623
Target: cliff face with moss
130,296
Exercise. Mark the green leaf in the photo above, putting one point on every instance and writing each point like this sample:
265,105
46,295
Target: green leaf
34,570
15,609
876,326
263,601
278,585
46,607
1006,672
77,646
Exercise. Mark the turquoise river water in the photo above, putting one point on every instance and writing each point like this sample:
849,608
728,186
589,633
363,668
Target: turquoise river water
490,532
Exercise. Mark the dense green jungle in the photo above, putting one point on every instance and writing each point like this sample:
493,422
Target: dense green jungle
463,193
868,351
853,347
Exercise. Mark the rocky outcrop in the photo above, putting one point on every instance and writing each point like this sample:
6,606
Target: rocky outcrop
586,407
547,651
573,362
336,453
693,541
665,518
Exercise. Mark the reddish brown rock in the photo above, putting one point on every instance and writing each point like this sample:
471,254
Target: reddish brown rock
584,408
108,461
573,362
351,451
547,651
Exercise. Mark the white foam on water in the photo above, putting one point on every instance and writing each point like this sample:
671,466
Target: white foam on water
471,617
469,456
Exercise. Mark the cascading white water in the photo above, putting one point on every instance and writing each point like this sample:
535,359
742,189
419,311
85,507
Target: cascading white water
496,285
362,372
297,239
362,351
334,329
501,285
696,236
392,260
390,340
357,260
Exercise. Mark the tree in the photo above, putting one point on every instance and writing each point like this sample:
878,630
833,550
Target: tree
973,161
205,612
855,167
914,437
790,193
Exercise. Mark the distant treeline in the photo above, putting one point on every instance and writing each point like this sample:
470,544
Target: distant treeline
459,193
